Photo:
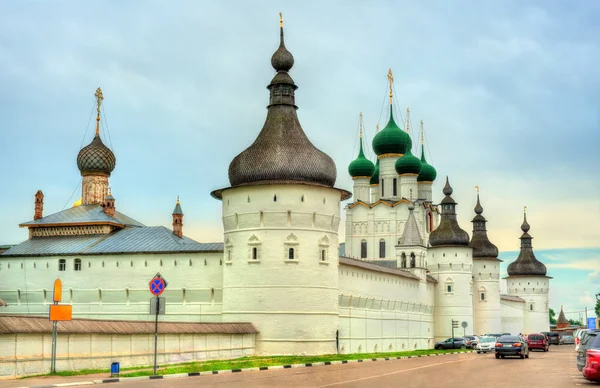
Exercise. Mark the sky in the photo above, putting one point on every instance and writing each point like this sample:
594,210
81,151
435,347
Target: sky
508,92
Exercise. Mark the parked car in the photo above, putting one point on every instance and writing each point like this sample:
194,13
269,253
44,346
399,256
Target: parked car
452,343
567,340
486,344
553,337
587,338
578,333
511,345
591,370
537,341
473,340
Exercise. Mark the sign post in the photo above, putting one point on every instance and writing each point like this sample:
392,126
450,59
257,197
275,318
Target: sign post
454,326
464,325
57,313
157,285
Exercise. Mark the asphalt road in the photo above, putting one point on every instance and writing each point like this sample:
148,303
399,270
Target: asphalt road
554,369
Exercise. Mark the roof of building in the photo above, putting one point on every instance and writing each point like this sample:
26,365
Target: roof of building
84,214
431,279
411,235
391,139
481,244
378,268
408,164
3,303
361,166
427,173
512,298
151,239
11,324
562,319
96,158
448,232
526,263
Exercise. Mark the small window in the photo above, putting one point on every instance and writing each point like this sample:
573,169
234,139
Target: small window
131,263
324,256
382,186
145,263
77,265
403,261
382,249
363,249
102,263
413,260
394,187
531,307
449,288
254,253
62,265
229,255
275,198
291,253
482,296
302,199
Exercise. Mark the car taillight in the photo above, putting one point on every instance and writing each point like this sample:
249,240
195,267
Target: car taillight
593,358
498,345
577,341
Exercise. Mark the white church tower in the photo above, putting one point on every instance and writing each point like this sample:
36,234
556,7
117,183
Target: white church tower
486,277
450,262
527,279
281,217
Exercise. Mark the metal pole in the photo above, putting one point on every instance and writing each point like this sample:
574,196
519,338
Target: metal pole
54,335
156,334
585,318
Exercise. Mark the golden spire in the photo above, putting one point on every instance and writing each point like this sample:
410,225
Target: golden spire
390,77
99,98
525,210
178,195
407,120
377,128
422,133
109,191
477,187
360,124
280,20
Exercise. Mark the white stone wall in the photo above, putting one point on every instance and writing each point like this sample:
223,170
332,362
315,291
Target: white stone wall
116,286
387,174
28,354
512,316
382,312
452,266
486,296
408,186
293,303
534,290
362,189
424,189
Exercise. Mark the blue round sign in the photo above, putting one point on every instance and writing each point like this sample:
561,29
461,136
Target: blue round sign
157,286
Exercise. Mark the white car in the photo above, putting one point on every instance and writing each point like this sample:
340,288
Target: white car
486,344
577,334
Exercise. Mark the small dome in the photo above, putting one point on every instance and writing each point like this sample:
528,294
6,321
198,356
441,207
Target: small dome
391,139
408,164
375,176
526,264
361,166
96,158
427,173
282,59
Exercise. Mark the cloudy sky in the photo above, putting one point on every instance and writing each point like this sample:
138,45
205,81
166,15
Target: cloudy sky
509,92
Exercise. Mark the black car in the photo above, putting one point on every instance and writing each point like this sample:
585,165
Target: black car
452,343
511,345
553,337
587,337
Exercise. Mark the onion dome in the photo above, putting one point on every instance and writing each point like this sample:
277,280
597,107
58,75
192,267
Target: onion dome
482,247
282,153
391,139
526,264
448,232
361,166
96,158
427,173
375,176
408,164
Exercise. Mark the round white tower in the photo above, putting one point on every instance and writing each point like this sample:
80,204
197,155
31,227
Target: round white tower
450,262
527,279
486,278
281,217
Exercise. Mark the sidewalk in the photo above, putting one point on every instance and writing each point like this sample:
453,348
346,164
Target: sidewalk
50,380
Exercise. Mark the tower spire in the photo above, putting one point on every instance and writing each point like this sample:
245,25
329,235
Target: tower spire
422,134
390,77
99,98
360,125
408,120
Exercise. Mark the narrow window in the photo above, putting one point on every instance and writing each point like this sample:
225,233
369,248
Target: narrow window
302,199
412,260
254,253
190,263
403,262
363,249
382,186
275,198
394,187
62,265
382,249
102,263
449,288
77,265
229,255
483,296
131,263
291,253
531,307
145,263
160,263
323,257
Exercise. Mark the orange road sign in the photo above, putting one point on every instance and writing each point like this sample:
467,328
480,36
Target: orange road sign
61,312
57,295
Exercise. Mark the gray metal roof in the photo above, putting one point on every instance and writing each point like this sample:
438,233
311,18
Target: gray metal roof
84,214
411,235
150,239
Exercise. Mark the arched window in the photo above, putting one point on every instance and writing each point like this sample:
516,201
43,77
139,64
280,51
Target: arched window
412,260
363,249
323,255
62,265
255,253
403,260
291,253
77,265
482,295
382,249
394,187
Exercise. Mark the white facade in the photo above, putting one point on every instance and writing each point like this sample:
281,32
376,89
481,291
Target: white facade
534,292
486,296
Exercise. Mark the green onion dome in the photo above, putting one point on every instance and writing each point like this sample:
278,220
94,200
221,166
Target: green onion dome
391,139
375,176
361,166
428,173
408,164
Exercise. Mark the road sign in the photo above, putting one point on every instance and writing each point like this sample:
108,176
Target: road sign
454,324
161,306
464,324
61,312
57,292
157,286
591,323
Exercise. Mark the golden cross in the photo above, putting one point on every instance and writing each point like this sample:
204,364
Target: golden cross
477,187
360,121
407,119
178,199
99,98
377,128
280,20
390,77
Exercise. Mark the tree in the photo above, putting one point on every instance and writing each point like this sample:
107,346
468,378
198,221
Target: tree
575,323
552,314
597,308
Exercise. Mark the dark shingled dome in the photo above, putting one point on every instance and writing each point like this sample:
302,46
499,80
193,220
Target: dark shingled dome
482,247
526,264
448,232
282,151
96,158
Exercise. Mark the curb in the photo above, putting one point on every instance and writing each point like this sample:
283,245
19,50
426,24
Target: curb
228,371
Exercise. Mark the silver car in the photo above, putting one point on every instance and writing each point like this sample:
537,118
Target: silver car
486,344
